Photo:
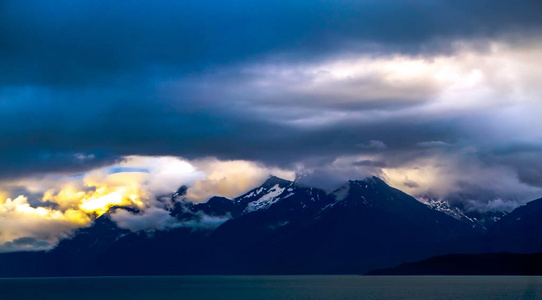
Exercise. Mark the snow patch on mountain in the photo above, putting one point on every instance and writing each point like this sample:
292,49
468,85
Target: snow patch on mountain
253,193
266,200
444,207
458,214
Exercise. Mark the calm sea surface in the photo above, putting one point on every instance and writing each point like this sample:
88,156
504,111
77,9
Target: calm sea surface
275,287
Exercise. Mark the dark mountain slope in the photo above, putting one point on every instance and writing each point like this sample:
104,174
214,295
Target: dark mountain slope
470,264
364,224
280,227
520,231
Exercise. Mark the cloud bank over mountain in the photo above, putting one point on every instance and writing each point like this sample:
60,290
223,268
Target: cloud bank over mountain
440,98
52,207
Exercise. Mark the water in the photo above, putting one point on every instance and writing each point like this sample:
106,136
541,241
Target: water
275,287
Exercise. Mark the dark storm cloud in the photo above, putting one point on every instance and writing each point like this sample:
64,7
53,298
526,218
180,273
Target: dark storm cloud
370,163
83,42
75,129
25,243
84,83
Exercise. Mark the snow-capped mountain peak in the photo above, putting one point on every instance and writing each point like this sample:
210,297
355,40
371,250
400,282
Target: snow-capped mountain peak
265,195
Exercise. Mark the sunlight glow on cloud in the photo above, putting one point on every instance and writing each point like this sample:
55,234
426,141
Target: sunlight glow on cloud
371,88
231,178
456,124
440,177
42,226
142,183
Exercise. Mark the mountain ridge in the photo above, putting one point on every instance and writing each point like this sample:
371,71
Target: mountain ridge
279,227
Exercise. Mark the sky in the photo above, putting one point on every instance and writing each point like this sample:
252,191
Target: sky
108,103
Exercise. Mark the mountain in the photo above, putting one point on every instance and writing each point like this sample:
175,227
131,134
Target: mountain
280,227
516,232
455,212
480,219
519,231
259,198
284,227
470,264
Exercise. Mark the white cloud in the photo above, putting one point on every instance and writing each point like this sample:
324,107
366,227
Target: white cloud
230,178
66,203
150,219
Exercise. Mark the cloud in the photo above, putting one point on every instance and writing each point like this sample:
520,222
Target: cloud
462,179
431,144
165,175
100,98
43,43
330,175
374,145
35,228
27,244
470,92
270,113
230,178
496,204
151,219
203,221
369,163
65,203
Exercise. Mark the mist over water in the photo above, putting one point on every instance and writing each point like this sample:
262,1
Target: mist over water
275,287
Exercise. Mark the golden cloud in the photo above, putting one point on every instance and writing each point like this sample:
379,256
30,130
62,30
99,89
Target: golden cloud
66,203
